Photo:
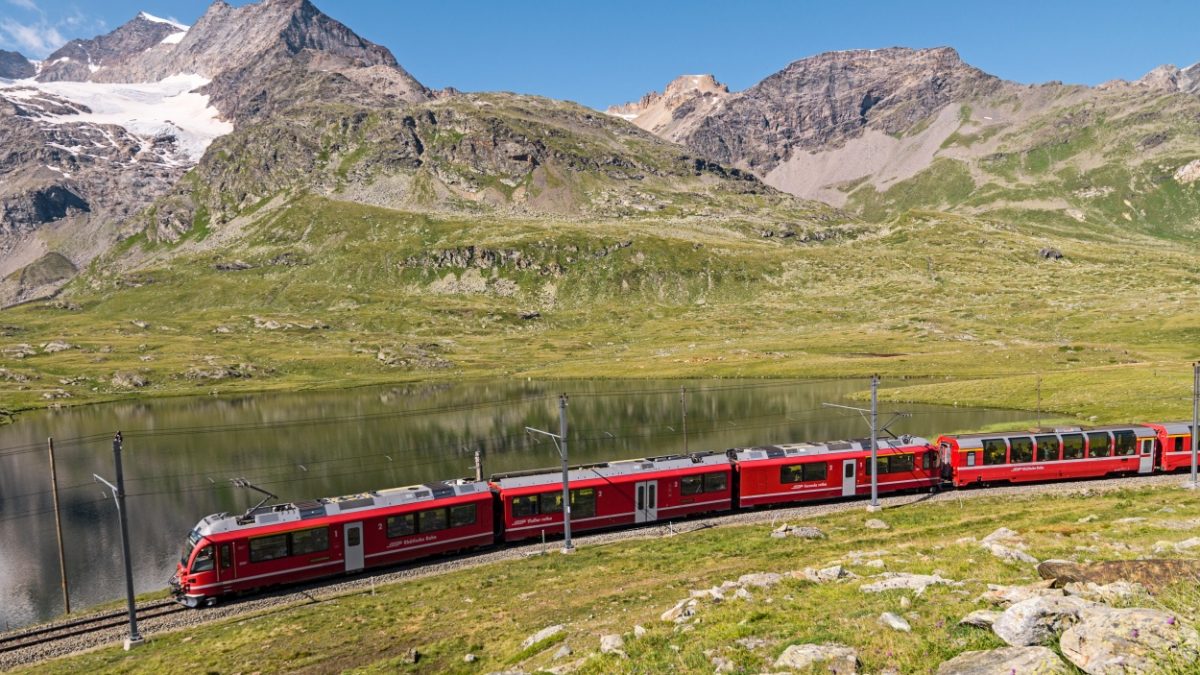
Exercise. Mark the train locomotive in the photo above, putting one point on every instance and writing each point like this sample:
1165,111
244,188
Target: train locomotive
279,544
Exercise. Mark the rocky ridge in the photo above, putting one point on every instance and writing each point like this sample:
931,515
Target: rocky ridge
14,66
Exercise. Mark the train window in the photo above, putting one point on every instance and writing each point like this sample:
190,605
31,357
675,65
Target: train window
971,459
432,520
463,515
583,503
715,482
267,548
204,560
1179,447
401,526
692,485
550,502
1124,443
226,556
929,460
1072,445
814,471
310,541
994,451
525,506
849,467
894,464
792,473
1022,450
1099,444
1047,448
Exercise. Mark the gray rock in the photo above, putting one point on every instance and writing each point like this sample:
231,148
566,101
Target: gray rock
905,602
722,664
469,658
1006,661
750,642
1109,641
980,618
876,524
894,581
1090,518
1005,596
613,644
129,380
1117,591
895,622
834,658
639,631
1036,620
1002,534
743,594
563,652
803,532
543,634
825,574
682,611
14,66
55,346
1010,554
760,579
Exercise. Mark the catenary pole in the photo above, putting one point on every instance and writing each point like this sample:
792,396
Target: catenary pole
683,408
1195,416
874,441
568,546
62,558
118,491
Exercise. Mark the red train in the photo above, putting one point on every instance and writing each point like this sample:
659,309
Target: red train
285,543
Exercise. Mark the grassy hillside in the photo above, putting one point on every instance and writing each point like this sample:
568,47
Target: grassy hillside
310,291
488,611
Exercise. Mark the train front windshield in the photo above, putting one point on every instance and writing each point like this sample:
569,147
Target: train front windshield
192,539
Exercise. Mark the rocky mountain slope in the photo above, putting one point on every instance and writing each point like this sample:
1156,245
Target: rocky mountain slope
108,125
882,131
14,66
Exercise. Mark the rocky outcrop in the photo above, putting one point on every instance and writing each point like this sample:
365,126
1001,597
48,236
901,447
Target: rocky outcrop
1117,641
829,657
14,66
684,101
1151,575
1040,660
1033,621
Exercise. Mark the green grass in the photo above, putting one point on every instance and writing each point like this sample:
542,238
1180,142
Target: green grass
929,295
489,610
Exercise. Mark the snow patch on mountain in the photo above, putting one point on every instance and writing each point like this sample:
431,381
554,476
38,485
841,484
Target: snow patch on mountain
154,110
158,19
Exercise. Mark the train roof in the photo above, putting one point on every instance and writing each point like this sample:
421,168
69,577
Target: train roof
628,467
767,452
218,523
1177,428
974,440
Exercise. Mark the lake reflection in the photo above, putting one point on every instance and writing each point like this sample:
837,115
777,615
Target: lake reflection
180,455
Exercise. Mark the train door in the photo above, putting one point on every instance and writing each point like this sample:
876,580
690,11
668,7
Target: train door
225,563
849,477
354,546
645,502
1146,465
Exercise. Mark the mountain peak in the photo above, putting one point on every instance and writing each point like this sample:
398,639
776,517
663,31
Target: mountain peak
684,95
1172,79
14,66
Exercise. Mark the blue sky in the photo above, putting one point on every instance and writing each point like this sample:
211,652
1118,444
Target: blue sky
614,50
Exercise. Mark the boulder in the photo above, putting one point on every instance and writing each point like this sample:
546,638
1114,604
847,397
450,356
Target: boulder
1003,534
1107,640
613,644
543,634
1036,620
825,574
1117,591
980,618
876,524
804,532
563,652
893,581
1005,596
834,658
682,611
1089,518
1005,661
1010,554
760,579
55,346
1152,574
895,622
639,631
129,380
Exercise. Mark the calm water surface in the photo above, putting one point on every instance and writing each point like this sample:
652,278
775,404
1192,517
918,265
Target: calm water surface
180,455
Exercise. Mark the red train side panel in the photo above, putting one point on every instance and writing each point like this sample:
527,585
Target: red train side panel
779,474
614,493
287,543
1019,457
1175,439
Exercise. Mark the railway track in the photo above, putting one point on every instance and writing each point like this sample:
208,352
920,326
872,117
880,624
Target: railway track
93,624
154,618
